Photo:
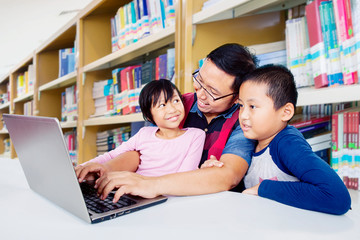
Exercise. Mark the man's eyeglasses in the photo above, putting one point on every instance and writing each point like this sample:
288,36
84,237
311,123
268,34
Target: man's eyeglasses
199,86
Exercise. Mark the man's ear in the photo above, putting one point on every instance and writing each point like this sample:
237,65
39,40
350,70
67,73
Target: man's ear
288,112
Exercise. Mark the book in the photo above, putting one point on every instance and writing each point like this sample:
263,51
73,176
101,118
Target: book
170,63
317,47
332,50
146,72
300,121
162,66
345,33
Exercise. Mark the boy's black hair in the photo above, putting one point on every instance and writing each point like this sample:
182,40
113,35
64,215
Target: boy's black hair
235,60
280,82
149,96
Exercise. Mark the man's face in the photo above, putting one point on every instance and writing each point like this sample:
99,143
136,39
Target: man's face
212,83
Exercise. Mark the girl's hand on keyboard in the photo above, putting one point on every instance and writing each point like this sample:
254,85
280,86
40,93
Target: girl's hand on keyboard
90,171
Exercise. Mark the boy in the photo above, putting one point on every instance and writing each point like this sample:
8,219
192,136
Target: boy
284,168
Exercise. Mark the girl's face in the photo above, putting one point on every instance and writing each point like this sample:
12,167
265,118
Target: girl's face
168,115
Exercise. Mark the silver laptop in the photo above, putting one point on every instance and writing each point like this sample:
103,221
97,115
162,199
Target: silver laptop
42,152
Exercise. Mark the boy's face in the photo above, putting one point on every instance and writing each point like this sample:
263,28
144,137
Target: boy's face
168,115
258,118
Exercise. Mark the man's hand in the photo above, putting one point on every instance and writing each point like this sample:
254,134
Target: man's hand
125,183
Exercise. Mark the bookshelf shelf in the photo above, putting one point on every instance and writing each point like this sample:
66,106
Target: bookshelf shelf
5,105
25,97
64,81
68,124
96,121
344,93
229,9
143,46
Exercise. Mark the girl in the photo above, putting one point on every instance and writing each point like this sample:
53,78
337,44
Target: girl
164,148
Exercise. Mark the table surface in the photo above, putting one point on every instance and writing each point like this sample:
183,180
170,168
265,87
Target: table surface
227,215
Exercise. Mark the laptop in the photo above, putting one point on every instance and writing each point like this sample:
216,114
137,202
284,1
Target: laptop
44,157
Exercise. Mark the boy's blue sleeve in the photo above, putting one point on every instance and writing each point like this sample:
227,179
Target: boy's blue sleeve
319,189
239,145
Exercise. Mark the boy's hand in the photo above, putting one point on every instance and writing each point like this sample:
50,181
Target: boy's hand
90,171
253,190
212,162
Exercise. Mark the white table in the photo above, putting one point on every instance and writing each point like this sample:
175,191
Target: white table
226,215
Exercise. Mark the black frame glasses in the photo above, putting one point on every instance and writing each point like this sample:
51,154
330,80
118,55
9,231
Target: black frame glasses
207,91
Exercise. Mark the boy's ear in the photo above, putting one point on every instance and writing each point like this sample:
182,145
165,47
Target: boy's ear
288,112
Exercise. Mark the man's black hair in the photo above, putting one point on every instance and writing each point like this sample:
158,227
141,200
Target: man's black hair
235,60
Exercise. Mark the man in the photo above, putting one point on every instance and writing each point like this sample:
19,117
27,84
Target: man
212,108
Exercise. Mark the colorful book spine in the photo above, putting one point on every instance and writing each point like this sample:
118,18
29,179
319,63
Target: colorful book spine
347,42
317,47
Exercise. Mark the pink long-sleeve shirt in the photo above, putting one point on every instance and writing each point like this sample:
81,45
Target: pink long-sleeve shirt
162,156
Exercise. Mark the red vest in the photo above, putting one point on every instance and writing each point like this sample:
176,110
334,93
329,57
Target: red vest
214,145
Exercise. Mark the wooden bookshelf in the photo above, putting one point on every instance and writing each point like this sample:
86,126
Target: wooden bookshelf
257,24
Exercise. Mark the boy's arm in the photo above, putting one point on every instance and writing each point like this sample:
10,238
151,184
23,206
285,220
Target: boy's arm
319,188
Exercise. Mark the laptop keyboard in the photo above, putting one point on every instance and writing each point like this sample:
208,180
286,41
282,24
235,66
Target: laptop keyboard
97,205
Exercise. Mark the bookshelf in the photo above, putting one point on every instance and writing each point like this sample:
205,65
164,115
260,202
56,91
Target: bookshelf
49,83
4,108
257,24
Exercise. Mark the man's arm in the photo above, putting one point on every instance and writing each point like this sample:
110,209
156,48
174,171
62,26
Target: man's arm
196,182
204,181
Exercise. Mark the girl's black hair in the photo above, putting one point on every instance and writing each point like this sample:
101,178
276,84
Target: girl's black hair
149,96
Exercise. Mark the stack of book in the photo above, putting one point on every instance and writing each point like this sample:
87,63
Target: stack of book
298,51
66,61
345,158
328,31
311,125
70,140
103,94
69,104
5,96
25,81
29,108
110,139
139,19
120,95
